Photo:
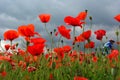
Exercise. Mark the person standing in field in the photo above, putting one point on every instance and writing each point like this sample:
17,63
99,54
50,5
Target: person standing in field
108,46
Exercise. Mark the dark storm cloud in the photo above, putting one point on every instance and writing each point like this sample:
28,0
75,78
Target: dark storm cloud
102,11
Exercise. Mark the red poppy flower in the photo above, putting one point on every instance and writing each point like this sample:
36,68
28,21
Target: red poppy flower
94,59
36,50
100,33
49,55
80,78
22,64
82,15
38,40
113,55
6,58
56,34
3,73
67,48
11,35
74,53
60,52
73,21
51,76
26,30
64,32
86,34
79,38
31,69
44,18
7,46
90,45
21,52
117,17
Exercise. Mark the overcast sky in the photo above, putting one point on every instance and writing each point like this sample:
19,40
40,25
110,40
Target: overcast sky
14,13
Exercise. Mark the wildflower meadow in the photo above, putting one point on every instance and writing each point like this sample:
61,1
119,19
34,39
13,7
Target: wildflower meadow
78,60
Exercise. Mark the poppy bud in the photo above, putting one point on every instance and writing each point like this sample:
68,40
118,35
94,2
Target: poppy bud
95,49
78,46
27,43
48,49
61,41
51,33
90,18
73,43
86,11
17,44
54,30
88,40
117,33
75,38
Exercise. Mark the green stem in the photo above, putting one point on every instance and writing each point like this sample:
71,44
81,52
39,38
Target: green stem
73,32
49,36
79,47
59,41
117,41
118,38
1,45
84,41
27,43
53,42
11,44
90,25
11,47
74,35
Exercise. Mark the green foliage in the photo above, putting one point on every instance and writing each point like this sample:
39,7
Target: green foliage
93,71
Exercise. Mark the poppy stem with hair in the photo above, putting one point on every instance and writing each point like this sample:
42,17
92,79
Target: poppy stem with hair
74,35
117,34
73,32
59,41
84,41
1,45
118,39
49,36
11,46
27,43
90,22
